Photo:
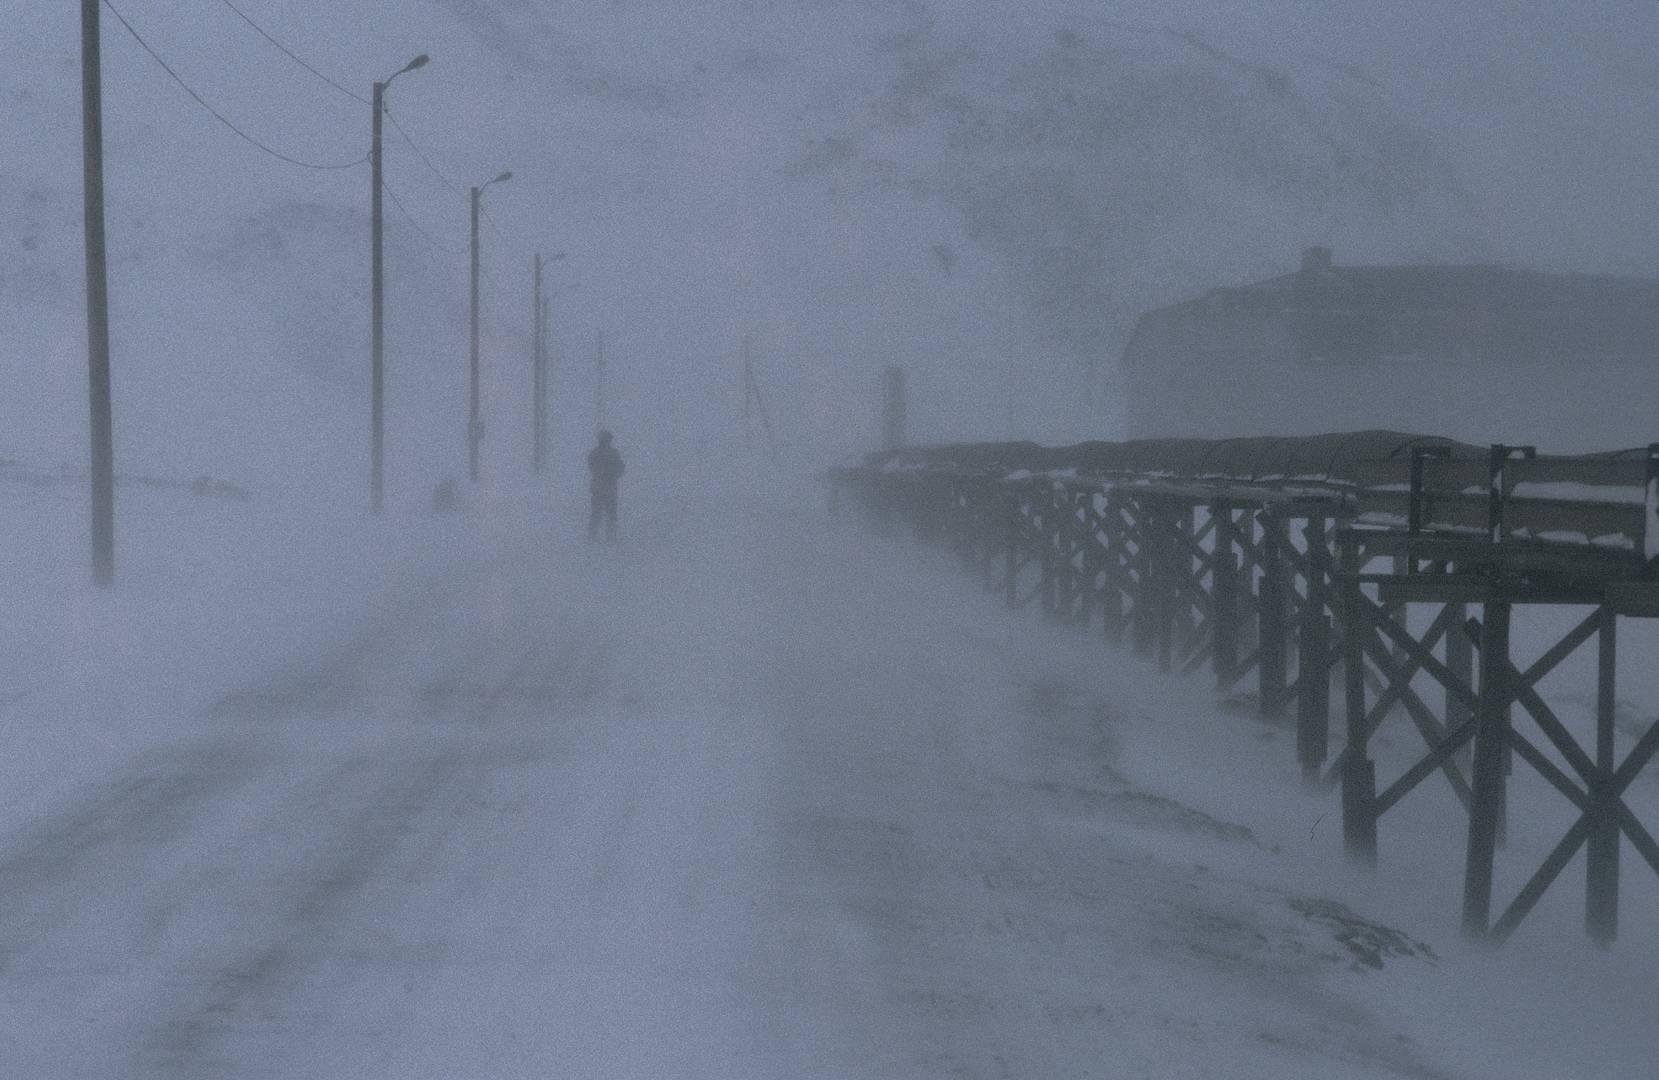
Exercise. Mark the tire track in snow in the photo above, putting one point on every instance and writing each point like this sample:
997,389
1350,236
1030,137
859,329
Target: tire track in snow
112,833
371,830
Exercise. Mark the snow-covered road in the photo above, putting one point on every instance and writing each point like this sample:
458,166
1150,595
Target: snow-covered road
749,799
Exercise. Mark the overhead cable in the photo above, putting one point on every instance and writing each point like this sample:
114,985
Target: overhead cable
289,53
217,115
397,202
447,182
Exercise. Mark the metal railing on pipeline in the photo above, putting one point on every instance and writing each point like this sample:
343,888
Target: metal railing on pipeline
1301,561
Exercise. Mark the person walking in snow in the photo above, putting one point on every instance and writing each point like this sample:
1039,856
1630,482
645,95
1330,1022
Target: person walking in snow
604,470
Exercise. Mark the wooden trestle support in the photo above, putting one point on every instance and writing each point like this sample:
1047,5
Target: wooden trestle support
1300,586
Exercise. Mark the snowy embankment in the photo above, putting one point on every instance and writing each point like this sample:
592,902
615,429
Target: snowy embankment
755,795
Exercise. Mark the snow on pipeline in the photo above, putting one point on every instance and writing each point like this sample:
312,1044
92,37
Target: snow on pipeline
751,794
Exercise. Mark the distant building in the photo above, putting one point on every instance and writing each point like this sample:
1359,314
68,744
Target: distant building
1480,353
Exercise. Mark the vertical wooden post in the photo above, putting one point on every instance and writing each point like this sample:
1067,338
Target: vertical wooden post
1601,897
1111,596
1224,588
1359,774
988,525
1271,663
1183,528
1487,794
1064,577
1163,553
1011,581
1147,573
1049,538
1313,694
1460,660
892,410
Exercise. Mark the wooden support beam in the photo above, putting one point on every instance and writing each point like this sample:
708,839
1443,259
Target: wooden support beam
1224,579
1606,802
1601,885
1167,586
1313,691
1460,663
1013,520
1399,689
1359,775
1272,623
1111,597
1491,735
1454,740
1047,541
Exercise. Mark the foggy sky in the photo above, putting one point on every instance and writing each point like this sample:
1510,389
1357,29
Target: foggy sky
986,193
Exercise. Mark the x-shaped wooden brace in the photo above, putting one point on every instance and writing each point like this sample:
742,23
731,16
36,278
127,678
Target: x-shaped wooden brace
1419,655
1603,796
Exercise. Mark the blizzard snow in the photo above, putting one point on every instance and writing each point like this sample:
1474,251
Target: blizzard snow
756,794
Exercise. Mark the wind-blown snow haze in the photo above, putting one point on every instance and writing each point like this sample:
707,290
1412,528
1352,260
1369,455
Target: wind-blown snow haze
755,790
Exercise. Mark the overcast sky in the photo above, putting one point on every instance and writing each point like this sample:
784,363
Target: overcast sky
987,193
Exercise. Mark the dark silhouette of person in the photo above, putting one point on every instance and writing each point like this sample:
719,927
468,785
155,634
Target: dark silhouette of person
604,470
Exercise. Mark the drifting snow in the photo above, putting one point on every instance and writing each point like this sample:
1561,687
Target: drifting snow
751,795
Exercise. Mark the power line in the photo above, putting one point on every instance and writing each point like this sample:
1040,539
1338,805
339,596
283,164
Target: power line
217,115
499,232
290,54
397,202
447,182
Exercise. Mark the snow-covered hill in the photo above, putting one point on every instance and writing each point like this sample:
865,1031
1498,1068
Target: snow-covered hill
986,193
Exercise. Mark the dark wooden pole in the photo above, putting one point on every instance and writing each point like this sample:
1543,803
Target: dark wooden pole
599,382
1272,620
1601,900
1143,617
1460,660
893,409
1166,528
1111,559
1487,786
1224,584
538,376
97,299
377,314
1313,679
475,425
1012,577
1359,775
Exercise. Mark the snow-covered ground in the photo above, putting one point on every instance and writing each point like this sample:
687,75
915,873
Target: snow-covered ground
756,794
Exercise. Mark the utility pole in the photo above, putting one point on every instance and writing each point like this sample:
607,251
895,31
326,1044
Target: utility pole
475,425
892,413
751,397
599,381
97,298
377,317
377,298
538,368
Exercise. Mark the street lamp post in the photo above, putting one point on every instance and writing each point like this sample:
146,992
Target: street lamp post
475,424
97,299
377,337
